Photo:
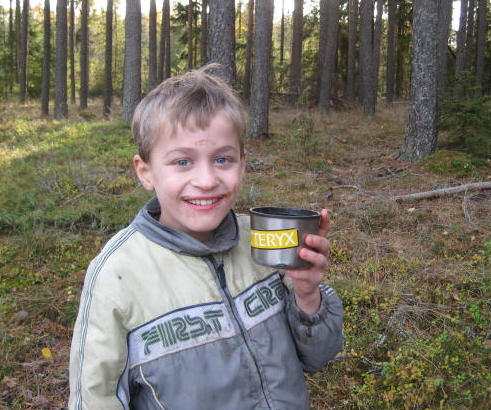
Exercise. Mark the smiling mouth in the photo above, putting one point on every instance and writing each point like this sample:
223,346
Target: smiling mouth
203,202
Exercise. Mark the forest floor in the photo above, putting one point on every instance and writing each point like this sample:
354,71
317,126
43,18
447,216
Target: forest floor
414,276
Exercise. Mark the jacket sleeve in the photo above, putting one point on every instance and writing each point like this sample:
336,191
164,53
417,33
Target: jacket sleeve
98,352
318,337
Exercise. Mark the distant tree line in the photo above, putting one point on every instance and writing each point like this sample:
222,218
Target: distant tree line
329,54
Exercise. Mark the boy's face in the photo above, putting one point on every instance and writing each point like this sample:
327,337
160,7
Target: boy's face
196,175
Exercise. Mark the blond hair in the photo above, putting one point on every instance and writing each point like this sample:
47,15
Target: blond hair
189,101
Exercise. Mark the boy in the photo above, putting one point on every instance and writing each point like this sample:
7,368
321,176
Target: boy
174,314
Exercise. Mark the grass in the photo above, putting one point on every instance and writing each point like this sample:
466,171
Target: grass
415,277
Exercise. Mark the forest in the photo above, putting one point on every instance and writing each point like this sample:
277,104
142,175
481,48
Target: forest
335,55
378,110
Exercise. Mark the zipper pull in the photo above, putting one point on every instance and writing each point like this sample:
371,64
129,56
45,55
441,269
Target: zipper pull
221,276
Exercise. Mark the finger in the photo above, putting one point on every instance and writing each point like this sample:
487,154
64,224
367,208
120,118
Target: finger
319,243
316,259
325,223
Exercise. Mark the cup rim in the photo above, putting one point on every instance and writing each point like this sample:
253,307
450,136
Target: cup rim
284,212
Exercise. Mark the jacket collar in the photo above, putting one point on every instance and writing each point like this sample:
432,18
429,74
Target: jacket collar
224,238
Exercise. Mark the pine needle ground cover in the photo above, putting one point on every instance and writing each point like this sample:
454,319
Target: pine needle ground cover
415,277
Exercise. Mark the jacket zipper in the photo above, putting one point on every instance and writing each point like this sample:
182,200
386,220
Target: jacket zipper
219,272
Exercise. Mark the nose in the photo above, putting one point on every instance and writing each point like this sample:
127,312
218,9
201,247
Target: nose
205,177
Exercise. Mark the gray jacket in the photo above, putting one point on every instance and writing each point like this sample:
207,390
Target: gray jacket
168,322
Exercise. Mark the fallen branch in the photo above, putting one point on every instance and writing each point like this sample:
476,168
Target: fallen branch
476,186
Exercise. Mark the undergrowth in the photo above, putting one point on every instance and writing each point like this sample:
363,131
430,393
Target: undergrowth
414,277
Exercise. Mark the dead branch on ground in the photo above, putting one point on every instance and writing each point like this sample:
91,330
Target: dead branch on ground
436,193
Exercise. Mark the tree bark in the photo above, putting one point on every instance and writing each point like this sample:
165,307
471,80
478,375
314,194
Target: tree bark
46,59
296,53
152,46
12,62
403,46
421,132
282,33
18,31
461,36
481,44
444,22
108,63
377,40
391,51
84,55
61,103
469,41
190,34
204,32
222,38
261,69
352,41
71,50
24,45
436,193
366,58
132,59
329,56
249,45
164,63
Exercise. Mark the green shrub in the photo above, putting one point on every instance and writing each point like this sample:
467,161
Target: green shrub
467,118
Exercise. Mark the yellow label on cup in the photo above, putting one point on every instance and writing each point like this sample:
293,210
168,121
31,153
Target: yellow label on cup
274,239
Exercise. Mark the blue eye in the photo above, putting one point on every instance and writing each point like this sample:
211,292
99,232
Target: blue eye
182,162
222,160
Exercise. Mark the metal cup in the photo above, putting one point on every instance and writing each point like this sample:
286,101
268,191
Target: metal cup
277,233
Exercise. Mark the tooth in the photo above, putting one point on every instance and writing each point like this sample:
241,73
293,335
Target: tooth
202,202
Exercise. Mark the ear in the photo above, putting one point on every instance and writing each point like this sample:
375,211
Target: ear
143,172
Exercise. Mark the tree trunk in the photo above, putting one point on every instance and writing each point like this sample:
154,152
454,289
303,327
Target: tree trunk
249,45
282,33
461,36
24,44
204,32
164,63
261,68
377,40
190,34
222,38
84,55
132,59
421,132
61,103
152,45
108,63
329,60
71,50
444,22
296,55
248,60
481,44
18,31
391,51
352,41
469,41
12,62
46,59
366,58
